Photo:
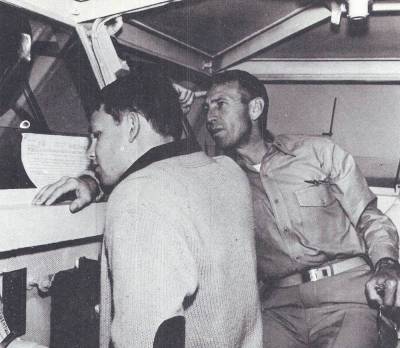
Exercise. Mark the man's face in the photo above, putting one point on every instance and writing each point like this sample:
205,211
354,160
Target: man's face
108,143
228,119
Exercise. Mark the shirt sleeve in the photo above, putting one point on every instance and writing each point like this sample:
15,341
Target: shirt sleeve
351,190
394,212
349,185
152,271
379,233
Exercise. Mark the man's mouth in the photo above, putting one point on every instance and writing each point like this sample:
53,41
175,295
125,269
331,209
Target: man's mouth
215,130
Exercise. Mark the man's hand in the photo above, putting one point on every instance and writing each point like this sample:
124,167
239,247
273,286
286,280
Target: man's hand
187,96
384,285
85,188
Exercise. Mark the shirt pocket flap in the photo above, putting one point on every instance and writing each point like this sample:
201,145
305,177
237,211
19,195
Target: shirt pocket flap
315,196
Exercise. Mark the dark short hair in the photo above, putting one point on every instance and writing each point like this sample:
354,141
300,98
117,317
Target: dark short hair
251,87
149,91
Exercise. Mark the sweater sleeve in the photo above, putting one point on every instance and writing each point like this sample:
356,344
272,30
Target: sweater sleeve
152,271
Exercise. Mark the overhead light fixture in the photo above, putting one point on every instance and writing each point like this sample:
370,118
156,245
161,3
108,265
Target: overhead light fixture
358,10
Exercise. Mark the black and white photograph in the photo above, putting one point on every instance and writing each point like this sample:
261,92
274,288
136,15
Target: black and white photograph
199,173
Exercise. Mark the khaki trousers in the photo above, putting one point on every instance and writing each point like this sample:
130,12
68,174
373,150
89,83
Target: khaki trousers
328,313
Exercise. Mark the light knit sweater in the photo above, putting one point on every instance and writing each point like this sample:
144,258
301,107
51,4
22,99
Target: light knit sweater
181,228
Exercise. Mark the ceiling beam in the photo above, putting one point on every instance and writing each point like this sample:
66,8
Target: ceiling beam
270,35
389,6
163,48
353,70
83,31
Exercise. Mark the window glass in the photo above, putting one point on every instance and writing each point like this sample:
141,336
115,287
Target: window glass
50,85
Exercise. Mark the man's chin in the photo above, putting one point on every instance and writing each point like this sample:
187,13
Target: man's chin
223,144
107,180
232,144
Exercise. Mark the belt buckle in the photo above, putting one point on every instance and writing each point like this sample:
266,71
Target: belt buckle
320,273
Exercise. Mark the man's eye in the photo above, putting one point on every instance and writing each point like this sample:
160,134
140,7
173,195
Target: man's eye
220,104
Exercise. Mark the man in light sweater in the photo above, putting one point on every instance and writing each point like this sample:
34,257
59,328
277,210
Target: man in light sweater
178,260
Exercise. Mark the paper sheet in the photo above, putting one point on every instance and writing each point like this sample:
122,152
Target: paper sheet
46,158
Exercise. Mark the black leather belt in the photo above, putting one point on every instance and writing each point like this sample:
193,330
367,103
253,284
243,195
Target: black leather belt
318,273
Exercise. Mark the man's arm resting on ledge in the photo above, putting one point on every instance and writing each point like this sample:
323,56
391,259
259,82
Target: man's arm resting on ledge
85,187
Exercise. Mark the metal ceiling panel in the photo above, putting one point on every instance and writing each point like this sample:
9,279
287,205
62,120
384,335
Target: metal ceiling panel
157,46
72,12
287,27
213,26
321,42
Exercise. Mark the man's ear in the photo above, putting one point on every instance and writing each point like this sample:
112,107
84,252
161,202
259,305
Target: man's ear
134,125
256,107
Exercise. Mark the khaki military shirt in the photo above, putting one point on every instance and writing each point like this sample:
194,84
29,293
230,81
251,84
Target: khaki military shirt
312,205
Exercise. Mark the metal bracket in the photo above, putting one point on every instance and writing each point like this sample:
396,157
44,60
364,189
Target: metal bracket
208,66
336,12
103,48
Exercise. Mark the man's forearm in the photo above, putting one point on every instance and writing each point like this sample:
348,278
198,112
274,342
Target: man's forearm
379,233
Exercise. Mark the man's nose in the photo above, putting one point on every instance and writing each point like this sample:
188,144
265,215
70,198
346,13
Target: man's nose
211,115
90,153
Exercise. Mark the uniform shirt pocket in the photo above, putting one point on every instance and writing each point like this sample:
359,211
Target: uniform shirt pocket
315,196
323,222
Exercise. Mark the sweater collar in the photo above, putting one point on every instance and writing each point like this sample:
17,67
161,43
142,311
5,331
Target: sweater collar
161,152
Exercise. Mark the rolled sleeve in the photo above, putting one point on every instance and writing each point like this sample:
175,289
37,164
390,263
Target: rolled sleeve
379,233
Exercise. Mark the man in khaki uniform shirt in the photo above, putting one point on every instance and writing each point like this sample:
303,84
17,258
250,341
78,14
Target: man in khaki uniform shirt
319,236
